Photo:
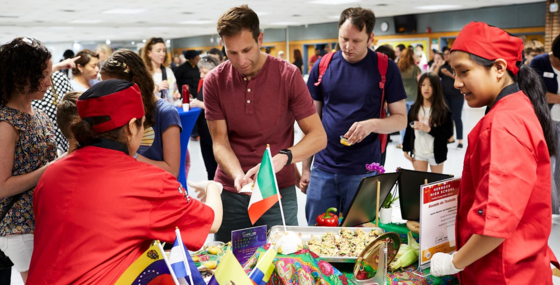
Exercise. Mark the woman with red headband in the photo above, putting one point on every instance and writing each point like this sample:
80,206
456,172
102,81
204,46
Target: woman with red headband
504,209
99,209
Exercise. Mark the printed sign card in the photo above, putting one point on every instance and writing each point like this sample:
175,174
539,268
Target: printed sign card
245,242
438,212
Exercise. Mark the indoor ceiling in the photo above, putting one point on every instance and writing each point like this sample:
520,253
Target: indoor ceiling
133,20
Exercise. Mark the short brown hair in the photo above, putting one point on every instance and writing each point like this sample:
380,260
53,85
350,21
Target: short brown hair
67,113
234,20
359,17
85,56
533,46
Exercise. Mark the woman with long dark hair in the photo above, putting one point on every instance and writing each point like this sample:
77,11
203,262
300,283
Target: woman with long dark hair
161,143
430,123
298,60
410,73
504,210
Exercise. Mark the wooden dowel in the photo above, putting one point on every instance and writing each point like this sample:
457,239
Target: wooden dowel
377,208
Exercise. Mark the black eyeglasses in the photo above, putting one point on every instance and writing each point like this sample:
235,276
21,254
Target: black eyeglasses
157,40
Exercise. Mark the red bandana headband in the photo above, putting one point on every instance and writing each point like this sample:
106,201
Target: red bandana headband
490,43
121,107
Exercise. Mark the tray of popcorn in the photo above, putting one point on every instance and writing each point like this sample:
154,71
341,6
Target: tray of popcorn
371,264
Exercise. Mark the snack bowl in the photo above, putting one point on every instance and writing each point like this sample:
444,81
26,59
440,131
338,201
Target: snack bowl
215,247
344,141
209,261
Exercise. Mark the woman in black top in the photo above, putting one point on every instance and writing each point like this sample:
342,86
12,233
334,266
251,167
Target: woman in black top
298,60
453,97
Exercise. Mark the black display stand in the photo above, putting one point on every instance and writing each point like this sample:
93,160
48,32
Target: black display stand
409,190
362,209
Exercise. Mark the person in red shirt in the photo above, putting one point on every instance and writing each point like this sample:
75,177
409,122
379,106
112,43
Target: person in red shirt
314,57
99,209
253,100
504,206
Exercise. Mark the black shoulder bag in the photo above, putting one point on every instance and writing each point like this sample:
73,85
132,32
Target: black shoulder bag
5,261
163,78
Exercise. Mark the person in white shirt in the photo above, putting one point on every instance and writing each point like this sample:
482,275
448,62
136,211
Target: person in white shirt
156,60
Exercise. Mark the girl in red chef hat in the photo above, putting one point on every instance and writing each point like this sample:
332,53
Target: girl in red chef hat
504,208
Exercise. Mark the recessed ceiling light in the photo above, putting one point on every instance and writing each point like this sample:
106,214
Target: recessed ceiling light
85,21
144,40
439,7
69,11
195,22
132,43
188,13
381,5
334,2
108,41
124,11
296,15
168,41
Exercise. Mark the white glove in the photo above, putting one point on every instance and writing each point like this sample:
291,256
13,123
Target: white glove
201,186
442,264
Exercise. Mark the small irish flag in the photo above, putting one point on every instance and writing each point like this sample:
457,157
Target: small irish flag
265,190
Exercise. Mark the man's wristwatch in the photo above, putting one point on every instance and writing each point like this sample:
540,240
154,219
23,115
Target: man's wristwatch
288,153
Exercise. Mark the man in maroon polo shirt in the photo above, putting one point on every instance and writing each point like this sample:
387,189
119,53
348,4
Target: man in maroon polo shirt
251,101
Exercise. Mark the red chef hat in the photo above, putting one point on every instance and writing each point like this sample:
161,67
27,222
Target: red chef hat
118,100
490,43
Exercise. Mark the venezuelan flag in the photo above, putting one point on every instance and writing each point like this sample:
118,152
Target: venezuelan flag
230,272
149,269
261,273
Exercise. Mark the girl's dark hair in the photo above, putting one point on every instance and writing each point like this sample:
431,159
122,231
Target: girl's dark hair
126,65
297,54
85,135
439,109
23,62
533,87
85,56
406,60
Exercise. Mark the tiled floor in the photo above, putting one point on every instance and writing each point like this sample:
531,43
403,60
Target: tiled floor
395,158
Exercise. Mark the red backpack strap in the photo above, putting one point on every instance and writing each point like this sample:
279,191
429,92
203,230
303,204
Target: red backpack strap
323,65
382,65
